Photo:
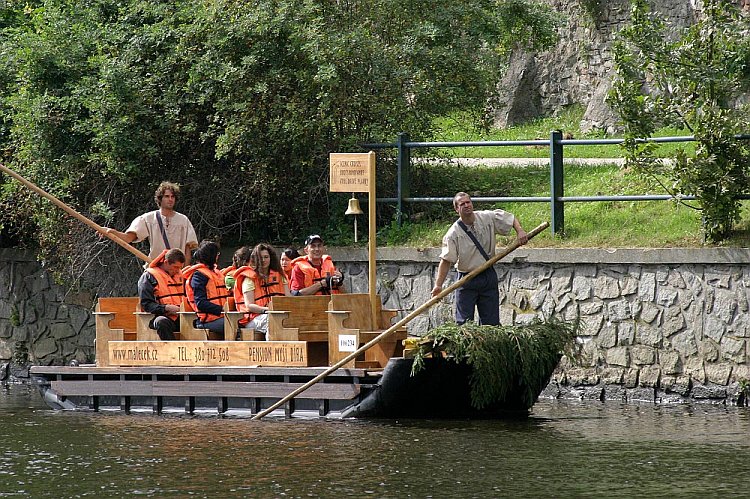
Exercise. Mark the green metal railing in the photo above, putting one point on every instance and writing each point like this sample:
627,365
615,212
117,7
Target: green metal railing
556,199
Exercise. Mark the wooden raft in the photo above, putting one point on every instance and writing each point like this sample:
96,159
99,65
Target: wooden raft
303,331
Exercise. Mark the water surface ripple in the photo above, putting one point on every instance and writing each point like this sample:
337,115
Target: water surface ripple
585,449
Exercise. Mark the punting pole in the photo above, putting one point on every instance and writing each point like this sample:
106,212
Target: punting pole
471,275
70,211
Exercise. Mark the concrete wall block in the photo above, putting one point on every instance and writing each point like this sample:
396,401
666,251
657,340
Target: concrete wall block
675,279
582,287
673,325
561,282
612,375
591,325
626,333
695,368
709,350
629,285
619,310
713,328
718,278
618,356
607,337
591,307
666,297
685,343
6,329
670,362
538,298
642,355
43,348
582,377
630,377
6,309
525,279
645,334
740,373
718,373
649,376
6,350
647,287
733,349
641,394
606,287
708,392
62,330
725,306
649,312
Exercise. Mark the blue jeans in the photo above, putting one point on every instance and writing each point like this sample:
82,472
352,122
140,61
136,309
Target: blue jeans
215,326
480,293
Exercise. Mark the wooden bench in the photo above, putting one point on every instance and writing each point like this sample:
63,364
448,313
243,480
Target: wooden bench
232,329
301,318
116,320
351,325
188,331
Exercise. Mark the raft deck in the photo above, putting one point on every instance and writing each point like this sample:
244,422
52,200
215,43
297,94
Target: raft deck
245,390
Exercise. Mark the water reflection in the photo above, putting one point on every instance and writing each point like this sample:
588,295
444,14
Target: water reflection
564,449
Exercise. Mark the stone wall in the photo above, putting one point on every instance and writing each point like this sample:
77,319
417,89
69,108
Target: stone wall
578,70
659,325
40,322
666,325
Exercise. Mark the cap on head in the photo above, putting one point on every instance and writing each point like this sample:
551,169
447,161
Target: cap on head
311,238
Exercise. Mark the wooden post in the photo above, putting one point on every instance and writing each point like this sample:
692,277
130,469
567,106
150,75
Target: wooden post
372,242
489,263
70,211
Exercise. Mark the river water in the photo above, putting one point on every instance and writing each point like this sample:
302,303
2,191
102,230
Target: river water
565,449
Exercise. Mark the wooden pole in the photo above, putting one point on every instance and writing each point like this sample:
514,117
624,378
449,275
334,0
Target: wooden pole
372,242
489,263
70,211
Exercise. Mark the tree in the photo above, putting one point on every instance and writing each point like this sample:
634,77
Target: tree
240,102
692,80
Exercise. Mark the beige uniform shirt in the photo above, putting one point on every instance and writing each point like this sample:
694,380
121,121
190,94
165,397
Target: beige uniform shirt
180,232
459,249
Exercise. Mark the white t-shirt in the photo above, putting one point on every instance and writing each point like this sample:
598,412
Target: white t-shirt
458,248
179,230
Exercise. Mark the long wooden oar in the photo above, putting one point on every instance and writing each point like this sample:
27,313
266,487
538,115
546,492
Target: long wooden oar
70,211
489,263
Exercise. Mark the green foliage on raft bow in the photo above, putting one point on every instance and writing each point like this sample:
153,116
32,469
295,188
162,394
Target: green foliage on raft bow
502,356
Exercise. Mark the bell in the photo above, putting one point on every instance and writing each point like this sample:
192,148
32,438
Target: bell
354,208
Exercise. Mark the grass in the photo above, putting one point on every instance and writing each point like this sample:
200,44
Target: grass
458,128
590,224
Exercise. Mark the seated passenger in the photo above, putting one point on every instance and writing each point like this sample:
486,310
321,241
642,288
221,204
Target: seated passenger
161,289
205,288
240,258
287,256
314,273
256,284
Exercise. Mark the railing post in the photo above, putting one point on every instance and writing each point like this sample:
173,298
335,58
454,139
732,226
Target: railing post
556,183
403,173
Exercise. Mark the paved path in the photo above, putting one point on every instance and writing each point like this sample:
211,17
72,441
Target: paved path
522,161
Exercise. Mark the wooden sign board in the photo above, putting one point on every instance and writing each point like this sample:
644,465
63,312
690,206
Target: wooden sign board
350,172
208,353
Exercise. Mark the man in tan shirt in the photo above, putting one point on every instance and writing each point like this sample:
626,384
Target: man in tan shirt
467,254
164,228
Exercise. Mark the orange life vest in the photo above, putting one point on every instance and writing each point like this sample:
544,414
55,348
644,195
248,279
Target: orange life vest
216,290
312,275
265,289
169,290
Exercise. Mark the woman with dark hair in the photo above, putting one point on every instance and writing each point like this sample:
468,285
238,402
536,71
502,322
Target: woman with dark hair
256,284
205,288
287,256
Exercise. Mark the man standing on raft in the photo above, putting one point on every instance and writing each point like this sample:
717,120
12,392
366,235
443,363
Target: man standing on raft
468,244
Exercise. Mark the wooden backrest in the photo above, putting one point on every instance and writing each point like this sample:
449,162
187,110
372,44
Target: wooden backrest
122,308
308,313
358,304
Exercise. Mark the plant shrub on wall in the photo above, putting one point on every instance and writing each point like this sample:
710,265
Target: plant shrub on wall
690,81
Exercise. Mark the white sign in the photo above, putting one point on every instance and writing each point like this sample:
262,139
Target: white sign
347,343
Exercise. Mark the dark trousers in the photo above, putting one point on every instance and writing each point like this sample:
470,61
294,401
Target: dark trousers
480,293
165,327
